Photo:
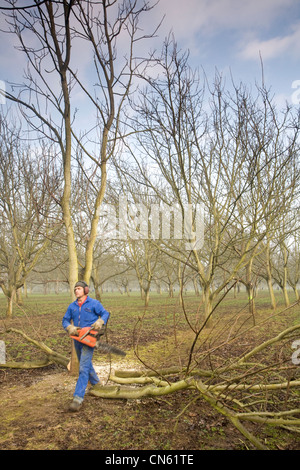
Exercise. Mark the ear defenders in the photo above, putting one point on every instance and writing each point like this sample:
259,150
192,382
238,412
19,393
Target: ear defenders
84,285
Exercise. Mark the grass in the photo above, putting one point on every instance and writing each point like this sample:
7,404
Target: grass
131,321
46,303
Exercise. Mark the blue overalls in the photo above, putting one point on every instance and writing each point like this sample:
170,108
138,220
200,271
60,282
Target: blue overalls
85,315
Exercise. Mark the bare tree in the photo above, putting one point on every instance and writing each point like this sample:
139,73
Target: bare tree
56,30
294,265
28,214
222,149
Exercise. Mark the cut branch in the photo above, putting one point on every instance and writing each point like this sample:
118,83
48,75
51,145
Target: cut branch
52,355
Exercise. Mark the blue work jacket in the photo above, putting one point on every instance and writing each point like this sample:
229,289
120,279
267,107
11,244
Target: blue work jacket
86,315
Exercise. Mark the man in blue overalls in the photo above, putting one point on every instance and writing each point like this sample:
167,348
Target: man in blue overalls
84,312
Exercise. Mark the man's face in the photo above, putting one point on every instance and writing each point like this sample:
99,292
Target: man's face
79,292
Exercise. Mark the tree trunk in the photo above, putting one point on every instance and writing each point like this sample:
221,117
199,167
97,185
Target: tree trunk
285,275
10,300
89,252
147,297
250,287
207,305
269,278
271,292
285,296
97,292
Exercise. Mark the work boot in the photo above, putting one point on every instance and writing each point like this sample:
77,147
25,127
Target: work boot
75,405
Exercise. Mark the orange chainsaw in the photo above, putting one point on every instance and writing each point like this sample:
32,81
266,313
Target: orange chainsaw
87,336
91,338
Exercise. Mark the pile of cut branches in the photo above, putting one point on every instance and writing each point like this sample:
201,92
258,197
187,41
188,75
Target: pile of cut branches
247,389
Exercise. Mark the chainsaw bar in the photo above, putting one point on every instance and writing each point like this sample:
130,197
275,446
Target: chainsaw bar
108,348
89,337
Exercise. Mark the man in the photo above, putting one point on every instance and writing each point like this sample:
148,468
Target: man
84,312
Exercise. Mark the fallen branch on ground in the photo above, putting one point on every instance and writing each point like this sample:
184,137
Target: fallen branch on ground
51,355
26,364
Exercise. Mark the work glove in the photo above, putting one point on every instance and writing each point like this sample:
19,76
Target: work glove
72,330
98,324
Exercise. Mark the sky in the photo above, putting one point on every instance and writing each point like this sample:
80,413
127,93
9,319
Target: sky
236,36
232,36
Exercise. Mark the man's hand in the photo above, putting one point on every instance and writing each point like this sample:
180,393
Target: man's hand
98,324
72,330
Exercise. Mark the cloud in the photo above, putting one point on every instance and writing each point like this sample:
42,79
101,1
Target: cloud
197,23
274,47
211,16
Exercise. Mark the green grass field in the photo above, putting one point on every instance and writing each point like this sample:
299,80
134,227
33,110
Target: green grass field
163,318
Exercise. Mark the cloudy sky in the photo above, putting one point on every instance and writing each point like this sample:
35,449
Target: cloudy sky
231,35
228,35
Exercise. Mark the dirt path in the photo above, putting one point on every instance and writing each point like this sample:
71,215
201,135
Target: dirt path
34,409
